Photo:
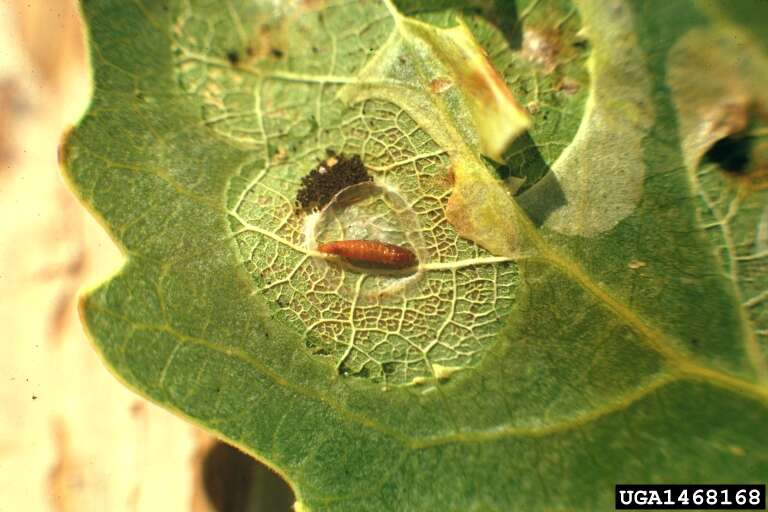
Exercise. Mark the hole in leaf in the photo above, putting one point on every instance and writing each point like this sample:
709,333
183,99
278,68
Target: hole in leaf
731,153
235,482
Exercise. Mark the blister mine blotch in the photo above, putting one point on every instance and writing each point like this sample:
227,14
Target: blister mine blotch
370,252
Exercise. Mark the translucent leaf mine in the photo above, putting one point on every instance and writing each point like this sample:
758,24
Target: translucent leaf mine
601,172
385,326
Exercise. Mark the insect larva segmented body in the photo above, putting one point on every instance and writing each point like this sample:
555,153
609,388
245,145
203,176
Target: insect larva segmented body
370,252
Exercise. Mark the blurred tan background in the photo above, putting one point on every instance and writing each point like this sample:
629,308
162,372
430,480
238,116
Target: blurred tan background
71,437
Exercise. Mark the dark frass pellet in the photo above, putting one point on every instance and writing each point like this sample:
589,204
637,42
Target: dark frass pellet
332,175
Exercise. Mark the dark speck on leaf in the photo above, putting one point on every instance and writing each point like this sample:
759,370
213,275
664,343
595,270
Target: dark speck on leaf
34,397
581,44
314,49
233,57
276,53
332,175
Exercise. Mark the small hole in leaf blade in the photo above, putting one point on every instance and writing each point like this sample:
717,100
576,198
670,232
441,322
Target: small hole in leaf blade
731,153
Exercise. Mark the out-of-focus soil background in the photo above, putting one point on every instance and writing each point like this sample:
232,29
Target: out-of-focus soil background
72,438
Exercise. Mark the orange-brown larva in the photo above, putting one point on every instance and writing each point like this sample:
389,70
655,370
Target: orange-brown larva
371,252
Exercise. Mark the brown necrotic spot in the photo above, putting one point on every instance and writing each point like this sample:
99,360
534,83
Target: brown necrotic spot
568,86
332,175
440,85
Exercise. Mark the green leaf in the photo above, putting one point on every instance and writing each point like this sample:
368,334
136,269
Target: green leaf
590,303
